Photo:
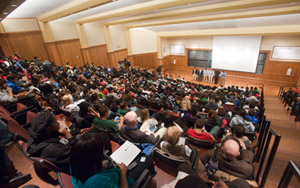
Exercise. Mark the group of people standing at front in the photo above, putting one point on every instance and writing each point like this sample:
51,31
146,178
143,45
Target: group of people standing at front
206,75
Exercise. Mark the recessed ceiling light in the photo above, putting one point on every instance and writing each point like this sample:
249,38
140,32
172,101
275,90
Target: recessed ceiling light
14,5
5,13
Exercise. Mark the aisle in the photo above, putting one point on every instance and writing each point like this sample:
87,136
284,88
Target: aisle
289,147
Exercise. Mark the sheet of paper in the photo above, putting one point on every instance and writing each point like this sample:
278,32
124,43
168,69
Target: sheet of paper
126,153
181,141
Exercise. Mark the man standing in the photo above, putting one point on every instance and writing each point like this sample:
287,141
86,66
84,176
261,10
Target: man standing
205,75
127,64
217,74
194,76
211,75
223,75
200,75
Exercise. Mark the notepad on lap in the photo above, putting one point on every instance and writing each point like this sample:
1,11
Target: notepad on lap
126,153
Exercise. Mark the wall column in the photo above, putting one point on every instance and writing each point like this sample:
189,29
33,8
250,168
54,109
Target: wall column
107,38
2,30
46,32
81,35
128,41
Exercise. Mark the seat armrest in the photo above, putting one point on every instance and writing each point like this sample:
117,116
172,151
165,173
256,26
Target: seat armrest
143,179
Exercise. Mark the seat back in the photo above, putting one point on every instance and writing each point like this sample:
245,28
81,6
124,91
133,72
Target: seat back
199,143
124,138
262,181
64,180
167,159
261,139
229,107
16,128
42,168
175,162
261,115
251,136
4,110
153,105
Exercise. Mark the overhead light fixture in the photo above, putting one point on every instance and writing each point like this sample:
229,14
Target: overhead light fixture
5,13
14,5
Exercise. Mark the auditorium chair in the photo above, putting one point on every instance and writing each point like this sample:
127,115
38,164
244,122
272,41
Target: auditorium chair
261,139
15,128
124,138
20,115
42,167
159,156
267,167
18,181
200,143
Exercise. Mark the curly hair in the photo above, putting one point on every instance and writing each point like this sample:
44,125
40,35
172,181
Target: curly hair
39,124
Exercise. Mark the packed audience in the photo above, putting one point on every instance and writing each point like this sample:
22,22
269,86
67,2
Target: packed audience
139,105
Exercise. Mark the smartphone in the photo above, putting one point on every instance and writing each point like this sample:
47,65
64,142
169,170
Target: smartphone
143,159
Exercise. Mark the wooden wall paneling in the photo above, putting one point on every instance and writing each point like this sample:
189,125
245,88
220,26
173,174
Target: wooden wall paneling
115,56
298,82
86,55
26,44
54,54
5,45
70,52
99,55
148,60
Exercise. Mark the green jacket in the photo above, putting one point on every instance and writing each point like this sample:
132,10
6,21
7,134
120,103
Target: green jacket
109,125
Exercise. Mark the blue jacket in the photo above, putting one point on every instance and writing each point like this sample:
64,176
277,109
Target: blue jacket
14,87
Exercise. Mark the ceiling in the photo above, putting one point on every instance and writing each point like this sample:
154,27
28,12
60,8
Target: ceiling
8,6
167,15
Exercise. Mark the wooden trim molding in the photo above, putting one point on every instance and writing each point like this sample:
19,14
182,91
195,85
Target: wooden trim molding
21,33
62,41
90,47
118,50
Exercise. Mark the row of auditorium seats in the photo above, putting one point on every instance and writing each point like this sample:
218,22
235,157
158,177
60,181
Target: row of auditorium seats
291,100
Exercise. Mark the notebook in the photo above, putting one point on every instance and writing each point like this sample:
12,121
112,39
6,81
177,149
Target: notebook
126,153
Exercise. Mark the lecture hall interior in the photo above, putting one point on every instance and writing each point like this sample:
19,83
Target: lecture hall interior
256,42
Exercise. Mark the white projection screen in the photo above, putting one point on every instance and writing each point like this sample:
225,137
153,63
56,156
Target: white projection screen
236,53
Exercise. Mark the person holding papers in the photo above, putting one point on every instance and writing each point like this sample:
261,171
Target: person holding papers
90,167
131,131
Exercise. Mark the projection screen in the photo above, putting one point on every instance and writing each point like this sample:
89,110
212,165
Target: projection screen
237,53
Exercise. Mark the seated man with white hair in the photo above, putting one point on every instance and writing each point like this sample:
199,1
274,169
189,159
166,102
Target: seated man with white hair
131,131
232,159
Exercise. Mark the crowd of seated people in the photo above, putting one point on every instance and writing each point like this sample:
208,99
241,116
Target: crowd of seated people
138,105
291,99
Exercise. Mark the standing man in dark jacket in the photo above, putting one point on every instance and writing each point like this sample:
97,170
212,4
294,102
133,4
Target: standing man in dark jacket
217,74
200,75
